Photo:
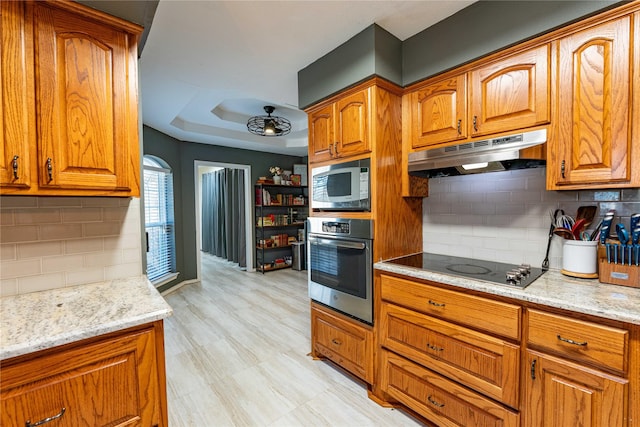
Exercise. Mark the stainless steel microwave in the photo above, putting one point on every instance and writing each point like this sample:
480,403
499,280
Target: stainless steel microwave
342,186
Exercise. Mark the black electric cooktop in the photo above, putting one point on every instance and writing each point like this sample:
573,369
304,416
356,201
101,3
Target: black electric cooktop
495,272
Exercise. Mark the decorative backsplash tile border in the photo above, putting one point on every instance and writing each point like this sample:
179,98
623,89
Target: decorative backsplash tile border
505,216
54,242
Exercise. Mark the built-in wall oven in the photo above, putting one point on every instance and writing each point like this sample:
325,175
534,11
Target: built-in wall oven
340,265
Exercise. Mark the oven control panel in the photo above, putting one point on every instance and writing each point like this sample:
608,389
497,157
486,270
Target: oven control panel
335,227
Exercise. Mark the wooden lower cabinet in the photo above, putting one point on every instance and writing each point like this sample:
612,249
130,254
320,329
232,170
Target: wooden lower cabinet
116,380
484,363
563,393
439,399
342,340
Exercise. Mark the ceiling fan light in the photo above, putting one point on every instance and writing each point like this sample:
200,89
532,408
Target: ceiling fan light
269,125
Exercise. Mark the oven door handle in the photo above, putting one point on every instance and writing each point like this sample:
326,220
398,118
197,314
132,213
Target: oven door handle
337,243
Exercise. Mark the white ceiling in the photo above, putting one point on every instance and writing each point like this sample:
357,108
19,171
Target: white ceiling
207,66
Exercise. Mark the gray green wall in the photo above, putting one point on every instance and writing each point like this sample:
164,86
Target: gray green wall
181,157
475,31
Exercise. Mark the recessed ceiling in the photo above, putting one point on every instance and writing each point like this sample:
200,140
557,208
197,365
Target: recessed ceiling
208,66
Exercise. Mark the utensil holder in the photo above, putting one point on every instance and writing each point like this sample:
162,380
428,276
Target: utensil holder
617,274
579,259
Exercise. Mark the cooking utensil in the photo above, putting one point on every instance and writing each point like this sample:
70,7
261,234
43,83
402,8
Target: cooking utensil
577,228
554,219
587,213
594,233
563,232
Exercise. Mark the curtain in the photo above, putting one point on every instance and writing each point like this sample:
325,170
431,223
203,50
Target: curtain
223,215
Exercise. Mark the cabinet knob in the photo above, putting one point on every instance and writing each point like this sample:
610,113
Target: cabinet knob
14,165
46,420
49,169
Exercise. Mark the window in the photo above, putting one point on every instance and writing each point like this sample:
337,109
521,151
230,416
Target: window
158,220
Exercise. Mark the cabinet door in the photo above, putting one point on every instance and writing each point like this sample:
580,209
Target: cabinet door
88,128
511,94
108,383
352,124
438,112
594,132
17,98
321,134
561,393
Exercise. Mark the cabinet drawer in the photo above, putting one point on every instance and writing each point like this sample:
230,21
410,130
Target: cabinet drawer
344,341
480,313
484,363
579,340
438,399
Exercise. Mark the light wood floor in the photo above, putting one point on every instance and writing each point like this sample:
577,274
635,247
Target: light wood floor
237,355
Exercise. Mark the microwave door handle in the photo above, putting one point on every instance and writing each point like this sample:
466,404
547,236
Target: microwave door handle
337,243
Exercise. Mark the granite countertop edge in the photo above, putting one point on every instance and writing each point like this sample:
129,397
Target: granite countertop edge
553,289
41,320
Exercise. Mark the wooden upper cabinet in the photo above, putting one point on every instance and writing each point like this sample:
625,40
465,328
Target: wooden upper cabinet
69,110
593,141
439,113
342,128
321,134
510,94
89,133
17,106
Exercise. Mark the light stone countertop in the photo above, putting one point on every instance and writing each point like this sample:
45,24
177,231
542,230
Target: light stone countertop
553,289
40,320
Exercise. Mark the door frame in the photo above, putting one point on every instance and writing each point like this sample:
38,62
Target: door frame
248,202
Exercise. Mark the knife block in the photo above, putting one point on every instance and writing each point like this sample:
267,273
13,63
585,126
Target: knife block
617,274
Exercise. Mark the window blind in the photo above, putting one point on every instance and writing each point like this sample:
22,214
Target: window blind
159,222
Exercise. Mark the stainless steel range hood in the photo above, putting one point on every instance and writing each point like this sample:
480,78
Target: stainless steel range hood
489,155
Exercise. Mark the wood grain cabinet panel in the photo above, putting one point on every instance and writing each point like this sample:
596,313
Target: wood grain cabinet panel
482,362
510,94
562,393
438,399
340,129
479,313
579,340
593,144
17,106
439,112
345,341
114,381
69,101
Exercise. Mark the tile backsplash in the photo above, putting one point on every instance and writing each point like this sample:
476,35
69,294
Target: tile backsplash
505,216
54,242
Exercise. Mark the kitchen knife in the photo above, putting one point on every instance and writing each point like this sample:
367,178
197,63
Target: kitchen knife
623,234
604,230
635,221
635,235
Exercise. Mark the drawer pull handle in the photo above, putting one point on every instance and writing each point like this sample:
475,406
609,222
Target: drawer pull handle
437,304
46,420
459,127
336,342
433,347
475,123
435,402
567,340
